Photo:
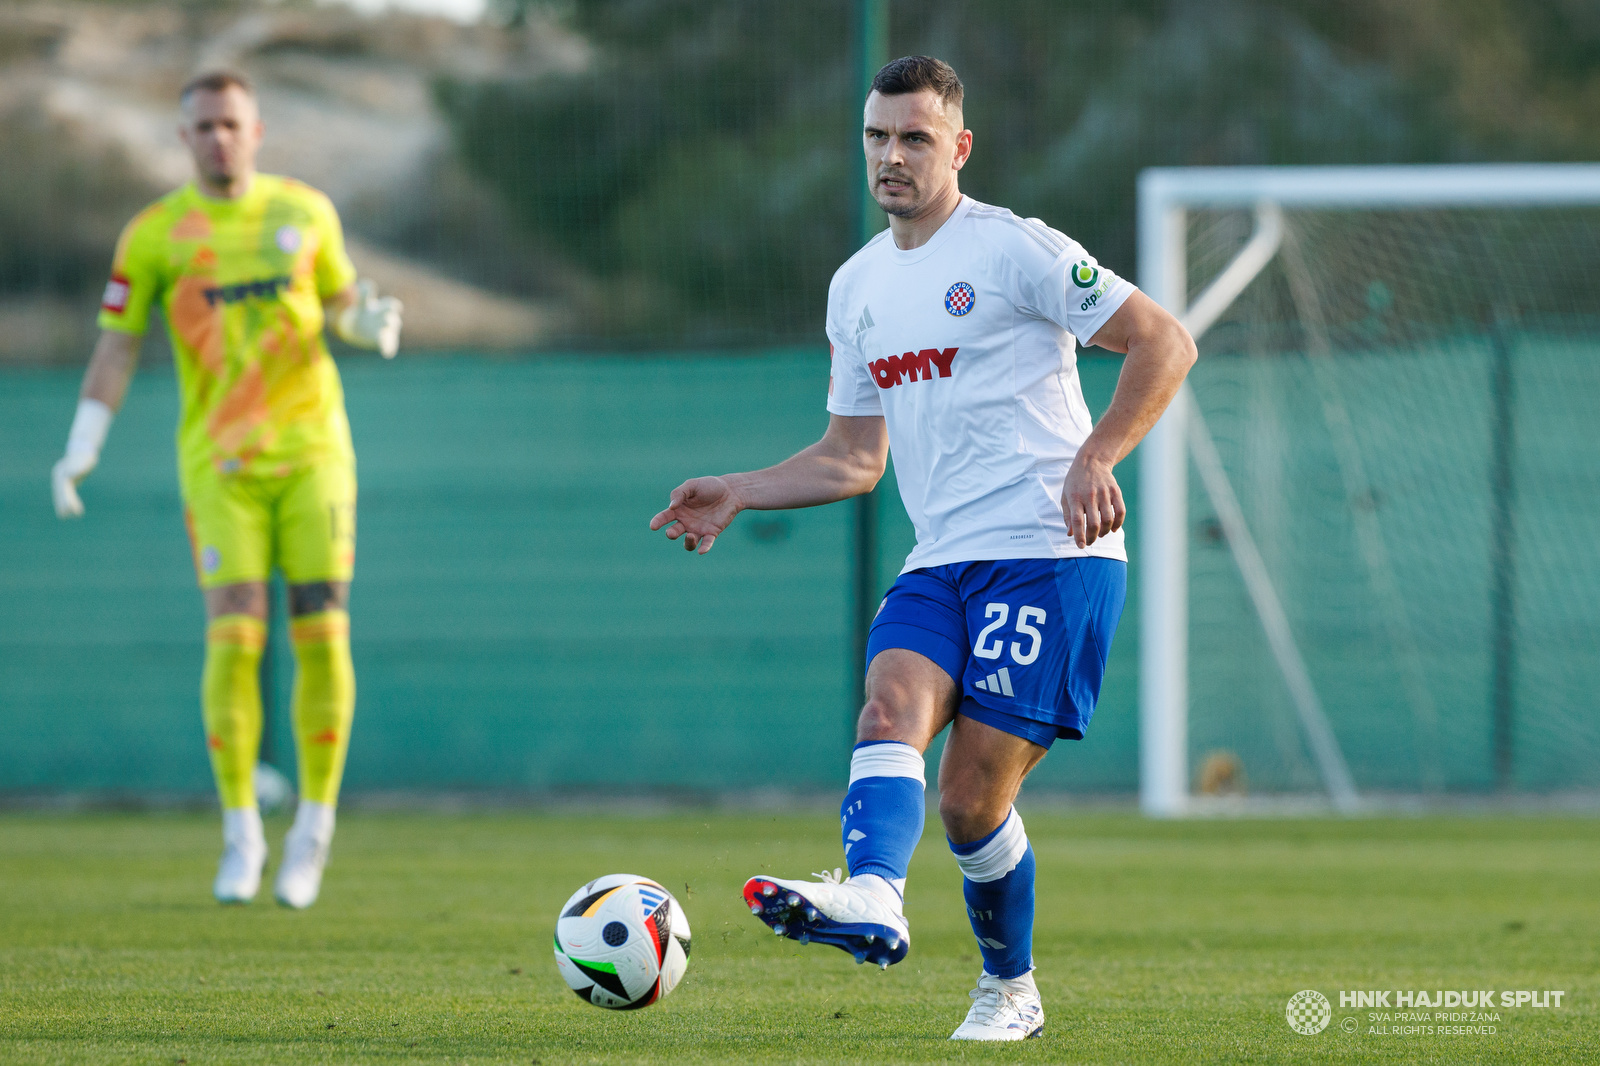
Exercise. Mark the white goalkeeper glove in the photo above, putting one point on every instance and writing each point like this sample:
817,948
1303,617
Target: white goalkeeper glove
372,321
88,433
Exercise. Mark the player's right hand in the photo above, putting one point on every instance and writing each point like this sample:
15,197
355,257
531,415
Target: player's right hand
64,477
698,511
1091,500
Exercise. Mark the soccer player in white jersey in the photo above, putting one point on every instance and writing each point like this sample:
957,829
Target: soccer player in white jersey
953,336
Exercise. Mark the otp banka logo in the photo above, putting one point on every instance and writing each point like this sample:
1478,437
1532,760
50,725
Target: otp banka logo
912,366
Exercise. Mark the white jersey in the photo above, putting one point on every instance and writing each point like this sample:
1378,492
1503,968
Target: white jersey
966,347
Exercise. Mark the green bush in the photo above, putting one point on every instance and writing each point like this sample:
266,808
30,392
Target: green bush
707,168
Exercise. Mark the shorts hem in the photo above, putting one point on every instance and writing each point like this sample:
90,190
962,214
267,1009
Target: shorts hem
1039,731
209,581
302,579
944,652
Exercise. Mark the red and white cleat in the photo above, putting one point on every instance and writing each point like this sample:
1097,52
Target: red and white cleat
831,911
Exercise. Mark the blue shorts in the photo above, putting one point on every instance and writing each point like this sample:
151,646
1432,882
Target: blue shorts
1026,639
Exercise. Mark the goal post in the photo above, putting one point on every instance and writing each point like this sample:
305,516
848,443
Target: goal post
1298,232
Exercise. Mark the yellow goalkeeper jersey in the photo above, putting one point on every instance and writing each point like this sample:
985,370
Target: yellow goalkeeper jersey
241,283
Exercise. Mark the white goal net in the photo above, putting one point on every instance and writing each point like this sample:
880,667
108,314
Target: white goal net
1370,539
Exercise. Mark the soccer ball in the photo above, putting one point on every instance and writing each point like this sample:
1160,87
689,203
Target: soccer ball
622,942
273,790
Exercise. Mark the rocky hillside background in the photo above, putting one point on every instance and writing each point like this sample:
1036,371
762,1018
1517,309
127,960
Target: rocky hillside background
87,118
663,173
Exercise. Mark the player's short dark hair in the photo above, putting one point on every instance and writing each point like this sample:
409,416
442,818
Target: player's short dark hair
216,81
913,74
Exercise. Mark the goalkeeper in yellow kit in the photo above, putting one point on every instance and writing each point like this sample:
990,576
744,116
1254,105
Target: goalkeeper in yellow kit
247,268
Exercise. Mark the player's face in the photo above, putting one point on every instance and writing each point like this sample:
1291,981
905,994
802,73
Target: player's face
914,148
223,131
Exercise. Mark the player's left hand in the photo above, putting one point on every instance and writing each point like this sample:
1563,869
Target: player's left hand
1092,500
698,511
64,477
371,321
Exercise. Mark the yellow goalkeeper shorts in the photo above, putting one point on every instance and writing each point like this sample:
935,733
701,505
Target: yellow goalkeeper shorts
303,522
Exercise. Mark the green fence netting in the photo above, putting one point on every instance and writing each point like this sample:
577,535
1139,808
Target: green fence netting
516,625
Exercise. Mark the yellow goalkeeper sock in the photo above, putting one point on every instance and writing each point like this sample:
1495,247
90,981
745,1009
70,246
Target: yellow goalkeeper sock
230,703
324,701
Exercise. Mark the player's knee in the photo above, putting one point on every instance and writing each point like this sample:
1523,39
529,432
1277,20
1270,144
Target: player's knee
956,811
967,812
314,597
892,715
244,597
878,721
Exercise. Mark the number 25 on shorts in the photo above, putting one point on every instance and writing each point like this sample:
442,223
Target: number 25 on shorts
1001,613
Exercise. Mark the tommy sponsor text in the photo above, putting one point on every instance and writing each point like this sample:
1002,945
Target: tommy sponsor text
912,366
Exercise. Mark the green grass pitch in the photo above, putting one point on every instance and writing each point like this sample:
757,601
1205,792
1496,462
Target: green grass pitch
1156,942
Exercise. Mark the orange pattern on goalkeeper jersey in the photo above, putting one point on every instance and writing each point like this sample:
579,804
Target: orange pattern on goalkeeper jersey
242,284
194,226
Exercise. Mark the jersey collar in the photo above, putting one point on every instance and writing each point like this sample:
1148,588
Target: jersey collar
217,205
917,255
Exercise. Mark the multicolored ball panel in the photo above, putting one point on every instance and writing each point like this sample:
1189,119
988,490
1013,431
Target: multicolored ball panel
622,942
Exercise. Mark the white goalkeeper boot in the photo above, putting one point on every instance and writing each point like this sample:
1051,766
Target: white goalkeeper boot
1003,1009
305,853
857,915
244,853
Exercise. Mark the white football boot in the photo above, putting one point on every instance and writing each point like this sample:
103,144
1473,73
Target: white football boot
305,853
859,915
1003,1009
244,853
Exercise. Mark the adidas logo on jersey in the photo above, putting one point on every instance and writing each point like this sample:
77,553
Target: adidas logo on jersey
866,322
998,682
912,366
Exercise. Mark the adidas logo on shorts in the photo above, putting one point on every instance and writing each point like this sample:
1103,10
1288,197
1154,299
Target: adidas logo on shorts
998,682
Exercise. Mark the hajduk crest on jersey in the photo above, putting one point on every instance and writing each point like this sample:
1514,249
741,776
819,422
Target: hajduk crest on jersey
959,300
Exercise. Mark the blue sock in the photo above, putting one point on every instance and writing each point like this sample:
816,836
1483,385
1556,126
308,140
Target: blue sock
997,879
883,811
